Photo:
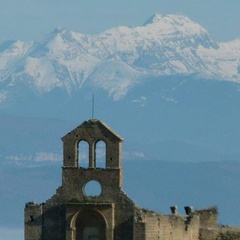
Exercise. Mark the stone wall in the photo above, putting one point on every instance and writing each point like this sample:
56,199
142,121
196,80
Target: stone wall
208,223
153,226
54,223
33,221
208,218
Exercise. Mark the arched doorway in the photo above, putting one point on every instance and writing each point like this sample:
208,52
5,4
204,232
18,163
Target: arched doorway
90,225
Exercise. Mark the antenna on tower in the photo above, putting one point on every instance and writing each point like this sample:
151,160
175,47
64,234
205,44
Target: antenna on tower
93,106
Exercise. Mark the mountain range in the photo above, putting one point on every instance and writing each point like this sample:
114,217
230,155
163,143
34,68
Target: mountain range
115,60
169,89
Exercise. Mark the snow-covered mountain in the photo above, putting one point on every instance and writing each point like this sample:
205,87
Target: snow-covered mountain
115,60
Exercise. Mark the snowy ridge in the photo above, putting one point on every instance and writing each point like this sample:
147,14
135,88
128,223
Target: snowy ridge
116,59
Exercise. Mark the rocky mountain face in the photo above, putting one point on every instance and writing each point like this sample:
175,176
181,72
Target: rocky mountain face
115,60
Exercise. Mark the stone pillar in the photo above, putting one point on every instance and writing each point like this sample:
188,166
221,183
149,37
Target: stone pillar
70,233
174,210
188,210
92,156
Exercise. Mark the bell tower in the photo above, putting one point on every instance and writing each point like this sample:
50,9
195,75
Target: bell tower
91,132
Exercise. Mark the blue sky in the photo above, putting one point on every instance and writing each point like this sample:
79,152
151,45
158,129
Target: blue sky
31,19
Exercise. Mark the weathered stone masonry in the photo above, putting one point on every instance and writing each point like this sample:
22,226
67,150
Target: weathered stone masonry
71,214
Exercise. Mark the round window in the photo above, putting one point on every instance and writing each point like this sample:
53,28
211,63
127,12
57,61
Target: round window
92,189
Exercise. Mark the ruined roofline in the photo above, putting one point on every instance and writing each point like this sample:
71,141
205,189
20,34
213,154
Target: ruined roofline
95,122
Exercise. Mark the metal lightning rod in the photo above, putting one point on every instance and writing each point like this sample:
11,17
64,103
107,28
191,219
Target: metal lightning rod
93,106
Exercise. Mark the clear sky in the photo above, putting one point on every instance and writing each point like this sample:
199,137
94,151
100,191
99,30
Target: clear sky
32,19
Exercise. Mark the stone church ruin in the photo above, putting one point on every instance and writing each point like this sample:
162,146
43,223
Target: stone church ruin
72,214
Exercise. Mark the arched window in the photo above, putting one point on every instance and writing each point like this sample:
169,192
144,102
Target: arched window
100,154
83,154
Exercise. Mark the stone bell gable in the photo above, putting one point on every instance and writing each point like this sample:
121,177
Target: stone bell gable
92,131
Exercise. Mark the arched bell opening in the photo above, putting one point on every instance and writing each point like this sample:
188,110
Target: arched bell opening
89,225
83,154
100,154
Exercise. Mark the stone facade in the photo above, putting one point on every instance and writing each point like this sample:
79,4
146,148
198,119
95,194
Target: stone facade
72,214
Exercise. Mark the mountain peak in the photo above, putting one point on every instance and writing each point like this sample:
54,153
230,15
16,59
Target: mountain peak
58,34
172,18
154,18
60,30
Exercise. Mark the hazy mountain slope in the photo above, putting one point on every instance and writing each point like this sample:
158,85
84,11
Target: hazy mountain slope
30,141
159,185
181,119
